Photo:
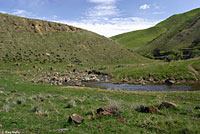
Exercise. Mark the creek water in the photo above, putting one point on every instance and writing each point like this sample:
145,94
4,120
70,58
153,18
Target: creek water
154,88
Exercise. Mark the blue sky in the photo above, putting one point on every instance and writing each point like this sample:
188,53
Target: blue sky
105,17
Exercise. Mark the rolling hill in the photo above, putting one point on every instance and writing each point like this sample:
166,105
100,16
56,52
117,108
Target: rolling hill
173,39
28,40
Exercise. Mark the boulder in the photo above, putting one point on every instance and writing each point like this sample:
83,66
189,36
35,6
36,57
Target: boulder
17,64
108,110
71,104
52,69
168,105
75,118
79,101
13,91
150,109
170,81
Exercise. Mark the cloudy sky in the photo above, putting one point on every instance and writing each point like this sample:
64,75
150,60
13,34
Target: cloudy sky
105,17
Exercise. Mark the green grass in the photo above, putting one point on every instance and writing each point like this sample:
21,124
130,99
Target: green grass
54,115
137,39
175,34
158,70
28,40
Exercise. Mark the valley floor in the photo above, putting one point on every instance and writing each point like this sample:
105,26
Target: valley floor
40,108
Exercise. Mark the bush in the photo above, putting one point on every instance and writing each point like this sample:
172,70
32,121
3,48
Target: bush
171,57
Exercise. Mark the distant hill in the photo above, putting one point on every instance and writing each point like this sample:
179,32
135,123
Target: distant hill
28,40
176,38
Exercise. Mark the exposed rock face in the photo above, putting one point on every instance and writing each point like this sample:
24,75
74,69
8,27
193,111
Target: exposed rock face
168,105
75,118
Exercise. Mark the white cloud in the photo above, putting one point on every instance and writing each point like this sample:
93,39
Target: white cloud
102,1
144,7
55,17
105,19
158,13
3,12
23,13
155,6
111,27
103,8
32,3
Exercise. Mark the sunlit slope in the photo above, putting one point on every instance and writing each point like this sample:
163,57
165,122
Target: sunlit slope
178,36
28,40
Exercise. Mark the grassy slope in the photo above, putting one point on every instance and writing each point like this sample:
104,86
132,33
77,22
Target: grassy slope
53,115
157,70
27,40
180,29
136,39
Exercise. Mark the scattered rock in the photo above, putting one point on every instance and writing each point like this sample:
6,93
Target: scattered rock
75,78
63,130
49,96
36,109
13,91
75,118
17,64
34,66
1,90
79,101
60,130
150,109
52,69
168,105
70,65
78,83
6,107
20,101
170,81
48,54
108,110
71,104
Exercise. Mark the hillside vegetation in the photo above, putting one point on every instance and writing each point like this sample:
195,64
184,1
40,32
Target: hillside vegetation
27,40
173,39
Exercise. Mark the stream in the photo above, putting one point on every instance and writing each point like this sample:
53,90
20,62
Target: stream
154,88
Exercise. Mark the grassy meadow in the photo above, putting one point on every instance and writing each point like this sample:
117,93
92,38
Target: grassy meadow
41,108
30,108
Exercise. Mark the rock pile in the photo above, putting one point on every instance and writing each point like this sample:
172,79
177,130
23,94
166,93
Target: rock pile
74,78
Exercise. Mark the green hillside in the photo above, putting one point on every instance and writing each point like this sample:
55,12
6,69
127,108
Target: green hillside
173,39
27,40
